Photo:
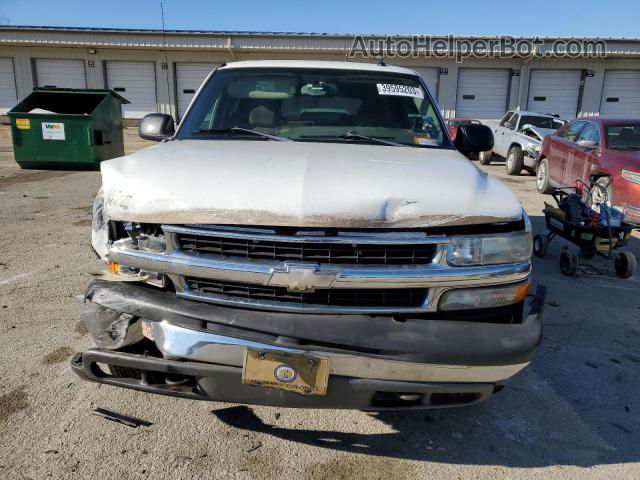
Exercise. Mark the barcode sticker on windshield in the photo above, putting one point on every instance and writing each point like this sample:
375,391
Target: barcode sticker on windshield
399,90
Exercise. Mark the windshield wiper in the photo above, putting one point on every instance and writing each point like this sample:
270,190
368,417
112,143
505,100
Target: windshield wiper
235,130
357,136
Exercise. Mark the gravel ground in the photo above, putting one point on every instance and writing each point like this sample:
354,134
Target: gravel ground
573,414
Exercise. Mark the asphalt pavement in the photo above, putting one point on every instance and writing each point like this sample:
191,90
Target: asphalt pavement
573,414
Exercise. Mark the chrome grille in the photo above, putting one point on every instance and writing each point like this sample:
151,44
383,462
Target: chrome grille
317,252
339,297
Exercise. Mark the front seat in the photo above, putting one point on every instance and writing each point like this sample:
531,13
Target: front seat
626,136
262,117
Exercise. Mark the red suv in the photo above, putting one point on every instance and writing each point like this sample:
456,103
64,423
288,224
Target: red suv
595,145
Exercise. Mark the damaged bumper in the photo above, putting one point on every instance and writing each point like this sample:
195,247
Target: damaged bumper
188,349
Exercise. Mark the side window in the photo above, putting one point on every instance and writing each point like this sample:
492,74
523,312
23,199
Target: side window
572,131
513,122
506,118
592,133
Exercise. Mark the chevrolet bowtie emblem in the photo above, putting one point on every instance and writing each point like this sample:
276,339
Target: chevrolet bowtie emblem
302,278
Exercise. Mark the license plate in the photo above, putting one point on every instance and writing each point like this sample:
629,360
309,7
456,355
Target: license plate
304,374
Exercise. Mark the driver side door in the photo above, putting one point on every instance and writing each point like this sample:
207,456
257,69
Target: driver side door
561,155
586,160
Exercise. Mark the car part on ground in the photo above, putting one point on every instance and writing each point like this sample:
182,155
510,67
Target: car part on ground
127,420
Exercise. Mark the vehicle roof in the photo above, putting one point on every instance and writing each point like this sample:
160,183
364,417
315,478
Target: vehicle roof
613,120
360,66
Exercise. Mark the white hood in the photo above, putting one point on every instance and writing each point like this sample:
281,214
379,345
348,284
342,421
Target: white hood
302,184
542,132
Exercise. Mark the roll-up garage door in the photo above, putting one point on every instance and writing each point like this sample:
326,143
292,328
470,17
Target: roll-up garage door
60,73
189,76
482,93
135,81
555,91
621,93
430,77
8,97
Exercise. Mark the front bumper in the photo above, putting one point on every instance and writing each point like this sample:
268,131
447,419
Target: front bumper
201,381
438,363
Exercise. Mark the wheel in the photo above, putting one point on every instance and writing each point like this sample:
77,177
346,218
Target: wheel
540,245
568,263
515,161
542,177
625,264
485,157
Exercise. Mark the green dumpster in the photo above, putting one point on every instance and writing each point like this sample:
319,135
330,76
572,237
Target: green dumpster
64,128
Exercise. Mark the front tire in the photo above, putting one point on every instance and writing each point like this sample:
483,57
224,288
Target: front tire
515,160
484,158
625,264
542,177
568,263
540,245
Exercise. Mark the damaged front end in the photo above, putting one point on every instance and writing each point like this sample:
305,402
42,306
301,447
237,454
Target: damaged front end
197,351
181,307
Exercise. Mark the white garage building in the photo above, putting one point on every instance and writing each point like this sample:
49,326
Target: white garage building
160,72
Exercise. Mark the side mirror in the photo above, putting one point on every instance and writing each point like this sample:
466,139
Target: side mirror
472,138
156,127
589,144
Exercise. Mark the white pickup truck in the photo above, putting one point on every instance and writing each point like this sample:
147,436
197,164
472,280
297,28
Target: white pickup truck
518,138
310,236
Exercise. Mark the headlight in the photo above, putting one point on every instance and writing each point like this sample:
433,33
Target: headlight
534,150
144,238
490,249
147,238
485,297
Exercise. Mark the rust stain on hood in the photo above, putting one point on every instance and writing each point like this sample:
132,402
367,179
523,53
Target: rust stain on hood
257,217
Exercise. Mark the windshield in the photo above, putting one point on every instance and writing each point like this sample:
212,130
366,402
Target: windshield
540,122
318,105
623,137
